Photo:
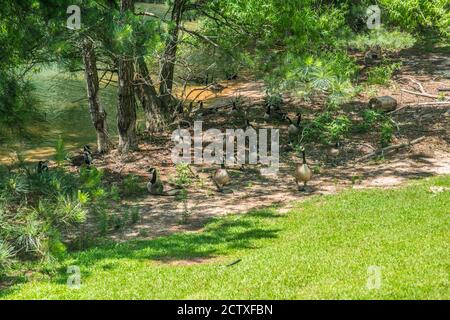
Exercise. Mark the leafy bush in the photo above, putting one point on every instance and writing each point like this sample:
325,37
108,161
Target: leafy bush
6,256
60,151
391,41
328,74
370,118
414,15
274,100
38,210
387,130
382,74
183,177
18,110
327,128
131,185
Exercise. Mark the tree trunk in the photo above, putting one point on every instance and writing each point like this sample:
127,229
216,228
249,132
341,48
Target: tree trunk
155,109
98,114
126,113
170,53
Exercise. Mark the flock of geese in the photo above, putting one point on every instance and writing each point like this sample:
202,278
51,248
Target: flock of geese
302,175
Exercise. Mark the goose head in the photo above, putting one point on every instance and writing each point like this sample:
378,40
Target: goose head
87,157
153,175
267,114
299,118
42,166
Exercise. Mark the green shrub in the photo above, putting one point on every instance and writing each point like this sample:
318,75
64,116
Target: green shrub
327,128
36,210
6,256
274,100
382,74
183,177
387,130
414,15
135,215
131,185
60,151
370,118
391,41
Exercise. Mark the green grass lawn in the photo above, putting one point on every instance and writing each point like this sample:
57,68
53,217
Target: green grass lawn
321,249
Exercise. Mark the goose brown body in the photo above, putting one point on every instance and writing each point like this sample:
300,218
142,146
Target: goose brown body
294,128
221,177
303,173
84,159
155,186
333,152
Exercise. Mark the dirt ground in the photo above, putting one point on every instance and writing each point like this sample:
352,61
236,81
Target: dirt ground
249,190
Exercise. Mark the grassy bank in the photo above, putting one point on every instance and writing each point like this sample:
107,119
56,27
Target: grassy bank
321,249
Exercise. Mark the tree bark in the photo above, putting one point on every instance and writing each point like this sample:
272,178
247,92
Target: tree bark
98,114
170,53
155,109
126,113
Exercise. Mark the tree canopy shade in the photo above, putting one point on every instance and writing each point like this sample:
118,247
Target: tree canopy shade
298,46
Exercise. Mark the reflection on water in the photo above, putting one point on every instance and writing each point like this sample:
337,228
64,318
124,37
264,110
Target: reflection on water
63,101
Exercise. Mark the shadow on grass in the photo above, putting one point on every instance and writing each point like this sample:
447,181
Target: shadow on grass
220,237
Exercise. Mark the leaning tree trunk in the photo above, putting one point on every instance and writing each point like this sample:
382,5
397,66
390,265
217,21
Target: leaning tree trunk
98,114
155,109
126,113
170,53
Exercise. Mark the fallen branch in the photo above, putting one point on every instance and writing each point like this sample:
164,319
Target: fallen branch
390,148
436,103
421,94
422,90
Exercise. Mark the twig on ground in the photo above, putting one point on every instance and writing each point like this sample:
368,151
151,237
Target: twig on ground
390,148
427,95
422,90
435,103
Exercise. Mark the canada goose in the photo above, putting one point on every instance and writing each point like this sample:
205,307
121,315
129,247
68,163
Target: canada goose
248,125
294,128
373,56
83,159
200,113
42,167
274,113
180,108
234,108
155,186
216,88
267,114
333,152
221,177
87,148
177,138
302,173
